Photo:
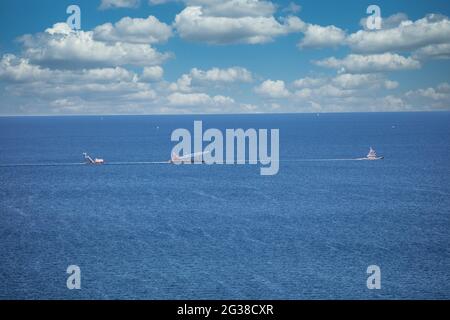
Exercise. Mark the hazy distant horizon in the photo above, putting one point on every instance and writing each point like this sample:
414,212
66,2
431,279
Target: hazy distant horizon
215,114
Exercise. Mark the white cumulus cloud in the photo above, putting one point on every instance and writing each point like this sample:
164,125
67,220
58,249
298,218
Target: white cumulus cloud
308,82
108,4
408,35
134,30
433,51
235,8
194,24
205,78
233,74
318,36
371,80
356,63
272,89
198,99
60,46
153,73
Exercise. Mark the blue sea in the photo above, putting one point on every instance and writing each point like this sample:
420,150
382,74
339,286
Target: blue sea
161,231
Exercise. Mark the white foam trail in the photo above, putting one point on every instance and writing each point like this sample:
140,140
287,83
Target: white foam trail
41,164
305,160
134,162
124,163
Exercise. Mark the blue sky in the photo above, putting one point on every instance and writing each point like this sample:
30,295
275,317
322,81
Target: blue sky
223,56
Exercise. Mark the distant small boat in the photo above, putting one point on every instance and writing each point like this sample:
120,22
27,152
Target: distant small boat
89,160
189,158
372,155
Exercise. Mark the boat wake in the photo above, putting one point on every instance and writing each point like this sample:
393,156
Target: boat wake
125,163
136,163
314,160
41,164
89,161
79,164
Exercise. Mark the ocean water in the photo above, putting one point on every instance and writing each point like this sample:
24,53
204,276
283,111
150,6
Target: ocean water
161,231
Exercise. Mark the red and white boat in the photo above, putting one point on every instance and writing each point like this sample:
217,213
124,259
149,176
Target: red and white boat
89,160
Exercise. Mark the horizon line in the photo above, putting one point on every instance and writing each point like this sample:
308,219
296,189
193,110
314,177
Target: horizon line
213,114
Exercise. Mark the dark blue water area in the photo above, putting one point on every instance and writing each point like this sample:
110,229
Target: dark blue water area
162,231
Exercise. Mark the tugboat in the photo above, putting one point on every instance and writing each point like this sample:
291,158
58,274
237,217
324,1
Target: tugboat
372,155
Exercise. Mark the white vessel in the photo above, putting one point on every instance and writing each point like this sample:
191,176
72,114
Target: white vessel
372,155
189,158
89,160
